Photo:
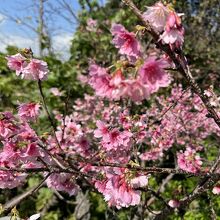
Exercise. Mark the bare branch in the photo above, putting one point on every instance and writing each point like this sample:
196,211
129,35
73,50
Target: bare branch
15,201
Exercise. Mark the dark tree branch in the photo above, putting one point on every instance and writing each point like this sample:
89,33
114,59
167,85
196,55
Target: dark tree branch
15,201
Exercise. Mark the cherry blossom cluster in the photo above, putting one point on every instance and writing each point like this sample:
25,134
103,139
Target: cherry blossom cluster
150,77
28,68
20,149
167,22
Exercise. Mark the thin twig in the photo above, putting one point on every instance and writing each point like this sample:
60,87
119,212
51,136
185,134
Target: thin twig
48,114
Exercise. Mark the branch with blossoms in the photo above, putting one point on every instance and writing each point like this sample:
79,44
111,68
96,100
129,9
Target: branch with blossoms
165,37
111,142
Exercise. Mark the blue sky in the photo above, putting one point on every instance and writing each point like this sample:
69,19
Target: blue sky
13,32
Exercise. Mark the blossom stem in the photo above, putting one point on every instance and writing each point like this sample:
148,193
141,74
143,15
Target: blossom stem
48,113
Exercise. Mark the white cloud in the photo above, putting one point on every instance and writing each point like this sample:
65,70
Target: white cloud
16,40
60,43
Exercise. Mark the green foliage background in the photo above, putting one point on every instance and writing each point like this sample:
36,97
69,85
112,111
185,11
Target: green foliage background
202,48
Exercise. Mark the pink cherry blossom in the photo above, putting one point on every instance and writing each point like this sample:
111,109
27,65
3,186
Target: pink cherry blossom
118,190
136,90
139,181
17,62
100,81
174,32
153,154
22,147
157,16
172,36
28,111
152,74
91,25
189,160
115,139
216,190
174,203
11,179
56,92
35,70
125,41
62,182
173,21
102,129
7,125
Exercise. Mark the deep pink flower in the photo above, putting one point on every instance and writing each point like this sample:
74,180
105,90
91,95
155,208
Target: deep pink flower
152,74
28,111
17,62
36,70
23,146
173,21
157,16
189,160
115,139
125,41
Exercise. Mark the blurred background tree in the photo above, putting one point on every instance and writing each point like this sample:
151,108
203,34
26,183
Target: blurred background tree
202,47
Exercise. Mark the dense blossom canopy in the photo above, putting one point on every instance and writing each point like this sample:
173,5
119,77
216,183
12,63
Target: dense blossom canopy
113,135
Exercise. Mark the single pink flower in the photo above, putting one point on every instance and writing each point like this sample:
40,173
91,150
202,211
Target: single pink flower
17,62
56,92
100,81
91,25
172,36
152,74
216,190
157,16
28,111
174,203
136,90
125,41
173,21
115,139
35,70
102,129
